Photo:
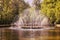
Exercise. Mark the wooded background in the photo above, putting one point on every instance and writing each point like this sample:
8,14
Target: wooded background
10,8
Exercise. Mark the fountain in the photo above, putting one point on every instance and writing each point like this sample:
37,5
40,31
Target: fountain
31,21
31,25
32,17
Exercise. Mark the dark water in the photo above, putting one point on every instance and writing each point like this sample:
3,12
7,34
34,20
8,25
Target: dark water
14,34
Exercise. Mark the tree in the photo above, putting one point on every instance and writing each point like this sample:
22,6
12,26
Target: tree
51,8
9,9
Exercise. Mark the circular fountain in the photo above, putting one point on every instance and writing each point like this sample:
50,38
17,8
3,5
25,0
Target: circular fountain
32,22
32,17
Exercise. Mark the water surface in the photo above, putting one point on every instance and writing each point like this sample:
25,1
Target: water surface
29,34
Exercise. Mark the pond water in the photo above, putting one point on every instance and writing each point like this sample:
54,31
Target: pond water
29,34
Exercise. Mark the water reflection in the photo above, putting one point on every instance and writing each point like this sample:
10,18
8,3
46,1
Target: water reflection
46,34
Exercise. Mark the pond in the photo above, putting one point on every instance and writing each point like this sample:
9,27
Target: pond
29,34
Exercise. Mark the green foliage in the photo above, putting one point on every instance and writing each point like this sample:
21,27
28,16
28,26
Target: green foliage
51,8
9,9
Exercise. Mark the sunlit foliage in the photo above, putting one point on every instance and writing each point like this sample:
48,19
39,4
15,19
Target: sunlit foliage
9,9
51,8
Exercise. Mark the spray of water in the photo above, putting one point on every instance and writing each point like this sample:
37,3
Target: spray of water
31,18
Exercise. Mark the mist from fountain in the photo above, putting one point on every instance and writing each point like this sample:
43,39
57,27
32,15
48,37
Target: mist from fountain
31,17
